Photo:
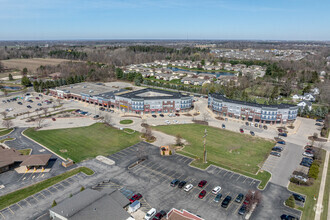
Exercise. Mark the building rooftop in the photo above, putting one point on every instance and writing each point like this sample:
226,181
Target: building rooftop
149,94
223,98
92,204
91,89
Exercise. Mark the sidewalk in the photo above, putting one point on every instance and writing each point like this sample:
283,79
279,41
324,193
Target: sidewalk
319,208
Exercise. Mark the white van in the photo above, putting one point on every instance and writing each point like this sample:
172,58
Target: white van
150,214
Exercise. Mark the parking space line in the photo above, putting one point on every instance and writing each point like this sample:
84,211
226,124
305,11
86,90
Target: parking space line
2,215
232,175
238,177
19,205
239,205
27,202
12,212
35,198
252,182
245,179
42,195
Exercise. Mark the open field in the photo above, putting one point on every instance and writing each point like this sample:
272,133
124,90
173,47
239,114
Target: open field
227,149
18,195
84,142
325,202
31,64
310,192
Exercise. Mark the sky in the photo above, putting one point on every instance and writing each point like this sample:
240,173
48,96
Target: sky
165,19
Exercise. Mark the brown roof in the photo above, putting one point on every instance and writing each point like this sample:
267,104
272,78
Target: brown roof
10,156
175,214
36,160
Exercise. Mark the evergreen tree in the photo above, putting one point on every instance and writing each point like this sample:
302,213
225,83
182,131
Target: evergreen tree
36,86
119,73
25,81
10,77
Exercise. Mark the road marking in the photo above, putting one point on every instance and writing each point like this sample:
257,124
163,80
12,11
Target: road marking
42,195
239,205
238,177
12,212
19,205
2,215
245,179
232,175
35,198
27,202
252,182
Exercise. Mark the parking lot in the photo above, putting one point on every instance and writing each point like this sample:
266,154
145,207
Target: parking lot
10,212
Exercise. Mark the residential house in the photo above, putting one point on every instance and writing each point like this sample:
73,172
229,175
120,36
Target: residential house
315,91
296,97
305,104
309,97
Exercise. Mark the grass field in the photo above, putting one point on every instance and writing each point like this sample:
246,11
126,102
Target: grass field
6,139
226,148
310,192
85,142
31,64
4,131
326,196
126,122
25,151
18,195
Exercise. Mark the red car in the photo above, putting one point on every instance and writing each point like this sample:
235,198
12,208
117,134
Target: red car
241,130
37,98
159,215
135,197
202,183
202,194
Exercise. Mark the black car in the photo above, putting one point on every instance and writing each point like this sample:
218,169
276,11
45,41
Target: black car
308,159
239,198
252,133
265,127
223,126
161,115
242,210
318,124
305,164
319,120
247,123
20,103
181,184
175,182
30,101
155,116
102,109
278,149
298,197
226,202
29,106
288,217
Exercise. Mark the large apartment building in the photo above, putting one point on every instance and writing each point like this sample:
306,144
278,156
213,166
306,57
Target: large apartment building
268,114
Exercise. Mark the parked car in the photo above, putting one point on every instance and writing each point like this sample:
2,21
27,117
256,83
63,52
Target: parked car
155,116
202,183
239,198
37,98
265,127
218,197
252,133
241,130
318,124
175,121
281,142
161,115
216,190
283,134
96,116
319,120
181,184
260,126
188,187
54,119
226,202
102,109
175,182
159,215
242,210
247,123
202,194
177,114
275,154
20,103
223,126
288,217
277,149
298,197
256,125
135,197
301,178
307,159
167,122
29,106
150,214
39,104
308,154
305,164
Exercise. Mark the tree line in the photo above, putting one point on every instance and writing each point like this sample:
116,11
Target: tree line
40,86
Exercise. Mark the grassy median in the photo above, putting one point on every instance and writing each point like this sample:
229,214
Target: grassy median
18,195
4,132
84,142
233,151
326,195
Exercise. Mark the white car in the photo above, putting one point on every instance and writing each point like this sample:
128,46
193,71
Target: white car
150,214
167,122
188,187
175,121
308,154
216,190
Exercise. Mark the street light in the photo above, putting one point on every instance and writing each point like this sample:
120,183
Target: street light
204,156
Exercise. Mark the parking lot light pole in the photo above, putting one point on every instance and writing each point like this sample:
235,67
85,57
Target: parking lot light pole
204,156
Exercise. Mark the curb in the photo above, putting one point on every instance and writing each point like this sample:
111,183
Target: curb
43,146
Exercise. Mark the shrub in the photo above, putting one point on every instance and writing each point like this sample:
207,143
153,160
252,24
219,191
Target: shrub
290,202
54,203
170,153
313,171
163,152
82,188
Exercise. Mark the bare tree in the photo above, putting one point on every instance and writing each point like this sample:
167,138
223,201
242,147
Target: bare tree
148,133
39,122
178,140
8,124
4,114
59,101
206,116
5,92
54,107
45,111
254,197
106,119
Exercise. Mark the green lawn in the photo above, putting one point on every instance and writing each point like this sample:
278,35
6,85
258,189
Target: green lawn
18,195
326,196
310,192
6,139
4,132
85,142
25,151
126,121
234,151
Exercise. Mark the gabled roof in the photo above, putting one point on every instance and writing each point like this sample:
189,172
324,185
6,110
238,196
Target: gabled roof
36,160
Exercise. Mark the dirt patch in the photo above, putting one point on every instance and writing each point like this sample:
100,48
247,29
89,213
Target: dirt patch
63,150
31,64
